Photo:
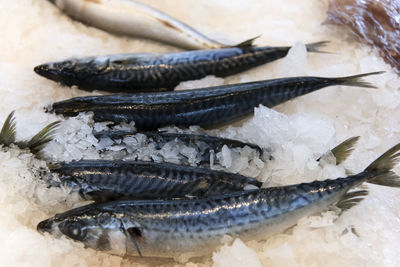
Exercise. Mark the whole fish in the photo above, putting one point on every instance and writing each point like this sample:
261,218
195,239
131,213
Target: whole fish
206,107
128,17
159,72
103,180
206,145
167,228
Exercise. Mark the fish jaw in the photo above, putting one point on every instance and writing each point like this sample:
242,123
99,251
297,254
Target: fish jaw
63,72
47,71
45,226
49,226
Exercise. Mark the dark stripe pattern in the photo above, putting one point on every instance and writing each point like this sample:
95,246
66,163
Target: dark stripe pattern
104,180
188,225
150,72
205,107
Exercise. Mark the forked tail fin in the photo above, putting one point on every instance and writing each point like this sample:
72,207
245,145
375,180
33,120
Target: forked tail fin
381,169
356,80
378,172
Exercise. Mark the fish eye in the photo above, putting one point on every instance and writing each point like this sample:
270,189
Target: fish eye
74,230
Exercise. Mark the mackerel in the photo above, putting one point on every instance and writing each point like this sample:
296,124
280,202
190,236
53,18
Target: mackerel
159,72
207,107
167,228
103,180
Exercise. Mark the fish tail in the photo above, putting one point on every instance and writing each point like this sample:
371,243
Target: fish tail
8,132
356,80
344,149
39,141
315,47
380,171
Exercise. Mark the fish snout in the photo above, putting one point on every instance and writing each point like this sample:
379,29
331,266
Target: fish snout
48,71
45,226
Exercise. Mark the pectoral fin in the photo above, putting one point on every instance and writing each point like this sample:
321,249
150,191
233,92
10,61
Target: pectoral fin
135,233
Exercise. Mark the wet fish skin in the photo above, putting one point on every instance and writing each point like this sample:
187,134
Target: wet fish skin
158,72
161,138
136,227
131,18
206,107
102,180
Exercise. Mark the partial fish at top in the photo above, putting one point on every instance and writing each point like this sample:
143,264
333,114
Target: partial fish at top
131,18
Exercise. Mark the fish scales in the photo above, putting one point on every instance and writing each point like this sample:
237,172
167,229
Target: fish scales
199,225
104,180
206,107
152,72
168,228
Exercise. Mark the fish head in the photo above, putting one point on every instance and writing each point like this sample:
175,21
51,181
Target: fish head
100,231
65,72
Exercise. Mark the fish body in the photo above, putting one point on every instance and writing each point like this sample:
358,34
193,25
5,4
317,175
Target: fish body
166,228
158,72
203,143
103,180
131,18
206,107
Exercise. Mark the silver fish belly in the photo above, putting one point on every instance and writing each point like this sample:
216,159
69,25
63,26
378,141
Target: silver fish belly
166,228
128,17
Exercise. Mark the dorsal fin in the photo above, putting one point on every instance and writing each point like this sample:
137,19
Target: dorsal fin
247,44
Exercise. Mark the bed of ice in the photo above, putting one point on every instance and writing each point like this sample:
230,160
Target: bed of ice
297,132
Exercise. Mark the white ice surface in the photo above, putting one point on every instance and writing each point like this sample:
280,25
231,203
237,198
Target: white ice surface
297,132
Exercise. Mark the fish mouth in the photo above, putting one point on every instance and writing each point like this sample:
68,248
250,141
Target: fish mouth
45,226
48,72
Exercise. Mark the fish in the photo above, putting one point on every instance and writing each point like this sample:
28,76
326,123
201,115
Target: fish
375,23
144,72
167,228
205,144
35,144
104,180
131,18
206,107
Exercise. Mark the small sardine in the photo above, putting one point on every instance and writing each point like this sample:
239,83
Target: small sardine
103,180
206,107
159,72
203,143
131,18
167,228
